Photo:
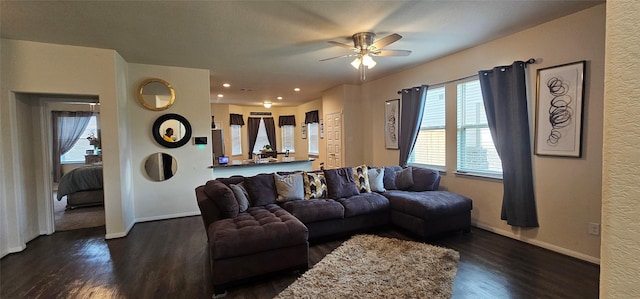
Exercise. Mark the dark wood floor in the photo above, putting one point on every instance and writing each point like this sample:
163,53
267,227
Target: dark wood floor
167,259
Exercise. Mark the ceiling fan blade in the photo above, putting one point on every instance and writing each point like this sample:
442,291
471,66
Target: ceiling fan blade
342,56
391,53
339,44
387,40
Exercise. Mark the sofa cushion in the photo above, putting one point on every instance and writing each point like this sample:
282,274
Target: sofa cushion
314,210
364,203
340,183
259,229
404,178
315,185
223,197
361,178
241,196
425,179
289,187
261,189
236,179
376,179
390,177
428,204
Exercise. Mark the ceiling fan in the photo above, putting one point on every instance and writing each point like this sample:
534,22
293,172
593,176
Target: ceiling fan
364,48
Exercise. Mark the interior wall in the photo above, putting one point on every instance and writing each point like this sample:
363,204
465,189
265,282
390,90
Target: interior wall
567,189
55,69
174,197
620,265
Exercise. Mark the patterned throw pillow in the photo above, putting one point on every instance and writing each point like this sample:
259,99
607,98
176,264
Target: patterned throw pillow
362,179
315,186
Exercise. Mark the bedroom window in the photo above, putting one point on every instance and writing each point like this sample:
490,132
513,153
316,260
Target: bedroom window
476,151
79,150
429,149
236,140
288,143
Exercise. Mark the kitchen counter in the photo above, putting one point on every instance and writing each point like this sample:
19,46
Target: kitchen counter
270,165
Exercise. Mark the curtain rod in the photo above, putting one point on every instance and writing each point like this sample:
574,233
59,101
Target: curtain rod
529,61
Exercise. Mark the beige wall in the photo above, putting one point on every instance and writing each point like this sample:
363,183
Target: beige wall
567,189
620,267
168,199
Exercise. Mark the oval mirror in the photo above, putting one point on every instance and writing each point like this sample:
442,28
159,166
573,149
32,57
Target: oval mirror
160,166
171,130
156,94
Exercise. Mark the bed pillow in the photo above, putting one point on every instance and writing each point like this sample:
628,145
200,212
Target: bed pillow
261,189
289,187
315,185
361,177
376,179
404,178
340,183
241,196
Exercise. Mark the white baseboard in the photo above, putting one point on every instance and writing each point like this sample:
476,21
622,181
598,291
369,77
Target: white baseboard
538,243
120,234
164,217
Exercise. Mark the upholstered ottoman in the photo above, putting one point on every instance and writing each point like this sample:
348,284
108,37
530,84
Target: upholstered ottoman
259,241
429,213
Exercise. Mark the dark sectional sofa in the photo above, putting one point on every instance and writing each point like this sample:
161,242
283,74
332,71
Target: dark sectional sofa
272,234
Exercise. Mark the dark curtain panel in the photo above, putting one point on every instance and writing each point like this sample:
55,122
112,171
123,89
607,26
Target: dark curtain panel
253,124
67,128
311,117
505,100
287,120
236,119
411,106
270,126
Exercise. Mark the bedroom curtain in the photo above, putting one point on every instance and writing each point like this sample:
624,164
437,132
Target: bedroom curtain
505,100
253,124
67,128
411,107
287,120
270,126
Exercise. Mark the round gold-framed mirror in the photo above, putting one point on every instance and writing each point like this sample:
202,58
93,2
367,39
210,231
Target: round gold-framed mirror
160,166
156,94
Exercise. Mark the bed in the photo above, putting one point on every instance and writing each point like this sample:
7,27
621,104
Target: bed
82,187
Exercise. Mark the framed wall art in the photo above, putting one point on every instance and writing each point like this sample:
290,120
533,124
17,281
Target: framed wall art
560,93
391,123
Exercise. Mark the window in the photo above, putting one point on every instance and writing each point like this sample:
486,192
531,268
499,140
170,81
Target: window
236,140
430,144
313,138
287,138
476,151
261,139
79,150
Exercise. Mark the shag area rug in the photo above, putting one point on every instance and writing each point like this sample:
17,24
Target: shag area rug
368,266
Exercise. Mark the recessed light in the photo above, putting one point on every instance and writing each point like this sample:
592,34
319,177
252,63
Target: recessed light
296,89
279,98
226,85
220,95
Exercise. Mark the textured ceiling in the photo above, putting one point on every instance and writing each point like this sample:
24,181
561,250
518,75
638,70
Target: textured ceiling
266,48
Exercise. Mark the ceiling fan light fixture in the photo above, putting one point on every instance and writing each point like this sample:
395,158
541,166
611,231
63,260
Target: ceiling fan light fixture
368,61
356,63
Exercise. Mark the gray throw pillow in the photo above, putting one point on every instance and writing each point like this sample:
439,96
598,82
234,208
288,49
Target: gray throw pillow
404,178
340,183
289,187
241,196
376,179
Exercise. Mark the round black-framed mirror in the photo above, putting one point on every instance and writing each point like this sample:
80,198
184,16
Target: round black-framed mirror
156,94
171,130
160,166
